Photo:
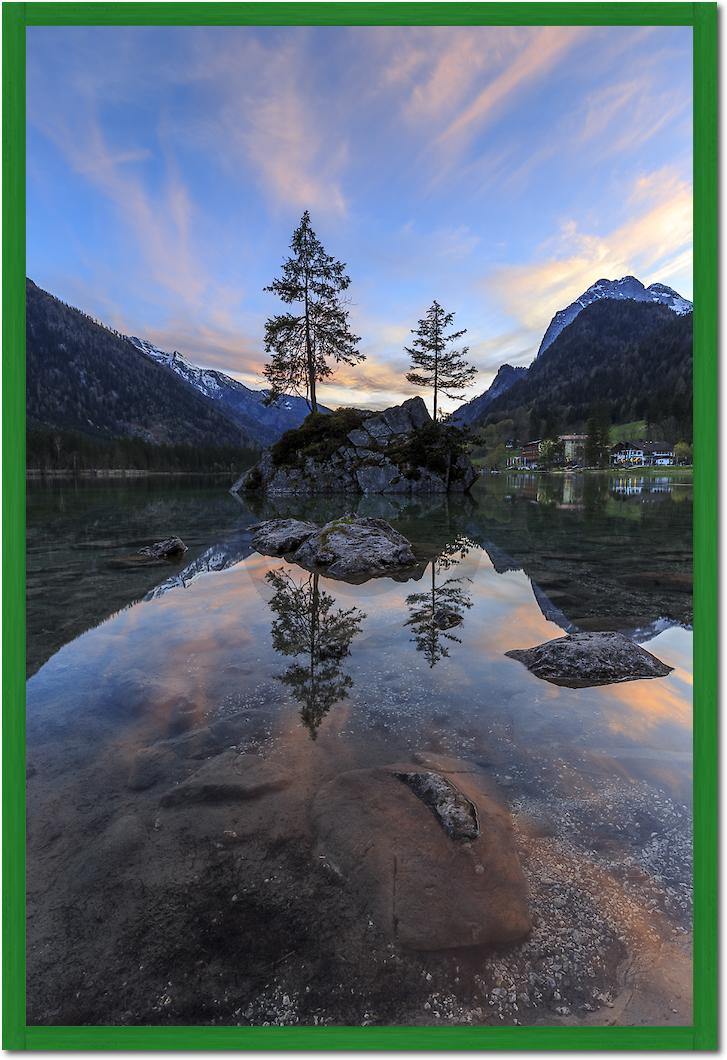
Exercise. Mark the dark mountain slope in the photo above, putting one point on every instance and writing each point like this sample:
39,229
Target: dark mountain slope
83,377
474,411
633,357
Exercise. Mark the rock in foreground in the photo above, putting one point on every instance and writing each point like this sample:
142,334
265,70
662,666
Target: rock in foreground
581,660
400,450
348,547
432,858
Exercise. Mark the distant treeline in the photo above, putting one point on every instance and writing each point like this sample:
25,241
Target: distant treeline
56,450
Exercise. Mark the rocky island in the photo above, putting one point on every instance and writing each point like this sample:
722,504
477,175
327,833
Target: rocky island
348,547
400,450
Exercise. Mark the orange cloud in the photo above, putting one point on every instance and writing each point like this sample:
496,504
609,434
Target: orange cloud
654,244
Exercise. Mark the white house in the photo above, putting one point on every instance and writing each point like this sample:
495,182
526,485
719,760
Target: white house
639,454
628,454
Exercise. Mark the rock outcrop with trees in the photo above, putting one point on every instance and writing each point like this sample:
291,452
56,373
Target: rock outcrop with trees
400,450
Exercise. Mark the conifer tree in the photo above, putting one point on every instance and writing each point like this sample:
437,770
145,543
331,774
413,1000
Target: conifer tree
307,625
433,364
302,342
597,447
434,613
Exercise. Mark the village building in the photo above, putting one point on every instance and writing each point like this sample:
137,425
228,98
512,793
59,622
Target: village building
574,447
658,455
530,453
526,456
628,454
641,454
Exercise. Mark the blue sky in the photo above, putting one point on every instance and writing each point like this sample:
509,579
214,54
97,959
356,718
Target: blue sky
499,170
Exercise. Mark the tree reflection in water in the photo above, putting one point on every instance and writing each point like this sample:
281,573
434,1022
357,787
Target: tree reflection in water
306,624
435,613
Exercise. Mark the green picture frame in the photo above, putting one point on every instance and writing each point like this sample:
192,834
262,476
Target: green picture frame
702,1035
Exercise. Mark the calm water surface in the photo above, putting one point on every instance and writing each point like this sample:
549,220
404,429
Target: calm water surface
213,651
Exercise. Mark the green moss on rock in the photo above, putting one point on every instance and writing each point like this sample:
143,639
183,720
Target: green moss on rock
319,436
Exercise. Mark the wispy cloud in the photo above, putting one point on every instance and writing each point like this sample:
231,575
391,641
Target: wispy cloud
544,48
173,162
627,113
157,224
271,116
653,243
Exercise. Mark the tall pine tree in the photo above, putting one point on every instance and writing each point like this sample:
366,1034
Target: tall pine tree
302,343
433,364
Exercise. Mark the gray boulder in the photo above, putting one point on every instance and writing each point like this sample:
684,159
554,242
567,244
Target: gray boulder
373,459
404,418
347,547
170,547
278,537
463,475
381,478
359,438
351,547
581,660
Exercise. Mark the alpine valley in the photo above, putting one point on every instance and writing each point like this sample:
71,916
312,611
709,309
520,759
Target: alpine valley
96,397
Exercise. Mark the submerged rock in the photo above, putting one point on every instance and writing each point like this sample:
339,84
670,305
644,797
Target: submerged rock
229,776
171,546
455,813
581,660
150,765
347,547
433,859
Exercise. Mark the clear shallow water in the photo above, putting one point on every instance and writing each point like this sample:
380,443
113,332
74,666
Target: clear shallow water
214,651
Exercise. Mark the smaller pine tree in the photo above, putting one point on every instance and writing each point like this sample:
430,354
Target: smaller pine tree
433,364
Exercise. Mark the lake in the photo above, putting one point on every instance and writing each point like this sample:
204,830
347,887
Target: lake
145,908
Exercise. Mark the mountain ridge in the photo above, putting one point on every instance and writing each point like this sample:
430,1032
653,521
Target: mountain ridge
634,358
241,403
82,376
506,376
627,288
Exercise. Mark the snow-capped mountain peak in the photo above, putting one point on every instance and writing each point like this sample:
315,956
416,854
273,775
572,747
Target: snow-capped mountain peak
627,287
241,403
206,380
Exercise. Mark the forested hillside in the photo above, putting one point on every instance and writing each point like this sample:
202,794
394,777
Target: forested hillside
633,359
83,377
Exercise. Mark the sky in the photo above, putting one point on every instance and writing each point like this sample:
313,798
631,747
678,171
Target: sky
500,170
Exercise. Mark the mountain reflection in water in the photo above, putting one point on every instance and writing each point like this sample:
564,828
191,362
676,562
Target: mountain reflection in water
139,677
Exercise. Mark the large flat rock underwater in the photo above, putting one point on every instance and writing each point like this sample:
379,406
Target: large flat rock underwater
401,450
432,853
424,846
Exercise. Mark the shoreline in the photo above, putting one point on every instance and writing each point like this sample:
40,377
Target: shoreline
110,472
647,472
